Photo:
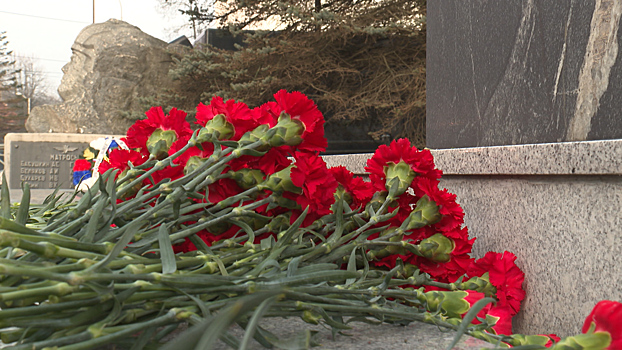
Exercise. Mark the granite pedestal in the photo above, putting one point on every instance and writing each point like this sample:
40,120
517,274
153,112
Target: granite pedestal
556,206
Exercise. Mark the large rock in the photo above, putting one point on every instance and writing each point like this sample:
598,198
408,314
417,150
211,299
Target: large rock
113,65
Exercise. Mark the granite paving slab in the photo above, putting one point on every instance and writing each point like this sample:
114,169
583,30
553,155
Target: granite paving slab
416,336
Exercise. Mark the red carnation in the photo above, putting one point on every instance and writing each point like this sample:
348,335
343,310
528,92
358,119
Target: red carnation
453,215
223,189
317,183
119,159
302,109
359,191
273,161
502,315
421,162
139,133
606,317
504,275
236,113
553,338
460,260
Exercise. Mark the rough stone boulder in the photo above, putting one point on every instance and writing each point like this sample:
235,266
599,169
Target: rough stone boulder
113,65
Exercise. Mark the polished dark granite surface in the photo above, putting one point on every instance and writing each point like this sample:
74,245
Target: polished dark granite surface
520,72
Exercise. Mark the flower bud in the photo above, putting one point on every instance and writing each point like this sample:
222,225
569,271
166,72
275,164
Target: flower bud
480,284
218,128
160,142
288,131
247,178
453,304
425,213
399,177
592,341
409,270
521,339
437,248
193,163
280,181
376,202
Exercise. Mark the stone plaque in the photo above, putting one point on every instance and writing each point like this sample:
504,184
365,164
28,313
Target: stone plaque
523,72
44,161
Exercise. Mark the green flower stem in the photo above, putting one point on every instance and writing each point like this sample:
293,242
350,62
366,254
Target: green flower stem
372,221
44,249
297,296
51,308
6,269
87,340
159,165
72,339
378,312
59,289
65,243
232,212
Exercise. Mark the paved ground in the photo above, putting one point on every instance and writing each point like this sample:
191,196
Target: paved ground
416,336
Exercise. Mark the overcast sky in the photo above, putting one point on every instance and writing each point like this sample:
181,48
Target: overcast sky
46,29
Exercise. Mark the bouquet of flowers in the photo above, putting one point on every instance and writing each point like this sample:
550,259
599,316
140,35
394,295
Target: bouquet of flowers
242,219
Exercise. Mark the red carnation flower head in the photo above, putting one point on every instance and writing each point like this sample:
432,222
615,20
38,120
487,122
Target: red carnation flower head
501,316
159,132
299,122
271,162
493,314
451,214
305,184
119,159
606,317
391,166
504,275
446,255
317,183
225,119
358,192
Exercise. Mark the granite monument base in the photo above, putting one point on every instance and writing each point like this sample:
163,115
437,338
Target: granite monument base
556,206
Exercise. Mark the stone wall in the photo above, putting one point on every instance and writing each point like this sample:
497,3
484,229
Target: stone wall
556,206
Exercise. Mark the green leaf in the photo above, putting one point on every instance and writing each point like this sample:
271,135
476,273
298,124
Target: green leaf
5,199
166,251
254,321
200,244
466,321
244,226
292,267
22,213
351,266
126,237
92,226
206,333
289,233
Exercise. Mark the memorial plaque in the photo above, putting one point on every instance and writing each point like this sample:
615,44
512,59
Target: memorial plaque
44,161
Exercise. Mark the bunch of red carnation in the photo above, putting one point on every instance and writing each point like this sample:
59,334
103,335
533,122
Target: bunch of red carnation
283,164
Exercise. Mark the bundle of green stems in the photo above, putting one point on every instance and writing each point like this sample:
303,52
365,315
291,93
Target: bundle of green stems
82,272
